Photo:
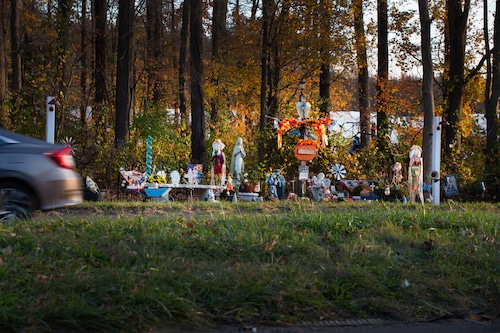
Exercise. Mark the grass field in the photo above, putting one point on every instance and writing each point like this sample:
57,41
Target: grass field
134,266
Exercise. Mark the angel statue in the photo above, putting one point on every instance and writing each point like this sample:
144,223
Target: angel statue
237,163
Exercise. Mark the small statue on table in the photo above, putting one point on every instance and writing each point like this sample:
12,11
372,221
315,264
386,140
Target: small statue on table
218,162
277,185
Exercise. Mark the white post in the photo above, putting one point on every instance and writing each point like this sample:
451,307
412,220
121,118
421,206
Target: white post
436,159
51,119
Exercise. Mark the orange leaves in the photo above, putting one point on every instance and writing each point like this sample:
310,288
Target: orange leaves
318,126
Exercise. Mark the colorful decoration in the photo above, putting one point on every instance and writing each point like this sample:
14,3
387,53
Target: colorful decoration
70,143
339,171
305,150
218,162
397,175
149,155
194,174
304,129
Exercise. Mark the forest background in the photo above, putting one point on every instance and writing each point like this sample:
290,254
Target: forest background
188,72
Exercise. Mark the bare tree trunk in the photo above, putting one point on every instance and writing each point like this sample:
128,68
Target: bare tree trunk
382,96
15,55
264,76
123,71
183,61
427,85
83,62
456,36
218,38
325,12
63,28
363,98
154,26
492,172
198,144
4,113
100,50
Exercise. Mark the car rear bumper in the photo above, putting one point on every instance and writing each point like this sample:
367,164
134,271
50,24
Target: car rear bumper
63,193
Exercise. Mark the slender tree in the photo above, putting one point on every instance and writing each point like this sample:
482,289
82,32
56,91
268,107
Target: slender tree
266,4
4,114
362,62
382,94
492,172
15,54
427,87
218,41
183,62
63,55
456,32
325,10
123,71
100,51
154,37
198,144
83,62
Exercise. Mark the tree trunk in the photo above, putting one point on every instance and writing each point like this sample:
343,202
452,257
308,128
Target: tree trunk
123,71
427,85
100,51
198,144
264,77
83,63
4,113
382,95
456,36
492,171
218,39
361,57
63,28
324,89
16,81
154,26
183,61
325,31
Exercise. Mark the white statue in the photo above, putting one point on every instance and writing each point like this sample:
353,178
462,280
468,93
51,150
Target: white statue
320,186
237,163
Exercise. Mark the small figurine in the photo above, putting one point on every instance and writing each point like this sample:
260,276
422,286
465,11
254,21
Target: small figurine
415,174
397,175
319,185
277,185
218,162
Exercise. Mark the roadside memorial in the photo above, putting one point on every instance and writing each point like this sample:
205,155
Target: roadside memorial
156,186
312,135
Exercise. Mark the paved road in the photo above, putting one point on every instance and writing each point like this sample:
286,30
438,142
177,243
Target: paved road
448,326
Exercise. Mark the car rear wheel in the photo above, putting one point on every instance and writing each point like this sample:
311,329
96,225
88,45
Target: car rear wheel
15,200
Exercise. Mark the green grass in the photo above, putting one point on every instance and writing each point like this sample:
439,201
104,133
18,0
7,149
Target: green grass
130,266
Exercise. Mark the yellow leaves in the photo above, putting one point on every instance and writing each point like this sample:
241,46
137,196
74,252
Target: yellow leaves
271,244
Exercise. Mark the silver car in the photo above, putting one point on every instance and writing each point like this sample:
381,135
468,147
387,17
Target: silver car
35,175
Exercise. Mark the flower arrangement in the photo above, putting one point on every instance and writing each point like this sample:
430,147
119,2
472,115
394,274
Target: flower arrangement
157,179
306,142
319,126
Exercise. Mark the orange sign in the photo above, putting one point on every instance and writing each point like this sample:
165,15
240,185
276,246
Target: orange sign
305,152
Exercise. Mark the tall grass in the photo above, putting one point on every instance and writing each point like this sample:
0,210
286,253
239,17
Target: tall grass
136,266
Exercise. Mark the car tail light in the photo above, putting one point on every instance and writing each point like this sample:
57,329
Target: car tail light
62,157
